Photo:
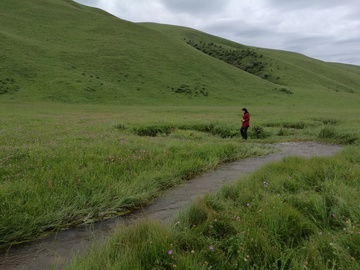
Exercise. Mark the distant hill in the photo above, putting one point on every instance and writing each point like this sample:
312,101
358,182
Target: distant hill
58,50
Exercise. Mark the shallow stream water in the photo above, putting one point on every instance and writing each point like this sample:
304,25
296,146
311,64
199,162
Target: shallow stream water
58,249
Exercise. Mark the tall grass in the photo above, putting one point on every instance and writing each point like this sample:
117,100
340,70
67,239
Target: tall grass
295,214
332,134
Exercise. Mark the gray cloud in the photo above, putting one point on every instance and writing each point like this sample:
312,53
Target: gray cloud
324,29
309,4
194,7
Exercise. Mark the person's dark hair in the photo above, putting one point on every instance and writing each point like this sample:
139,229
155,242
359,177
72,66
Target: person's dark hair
245,110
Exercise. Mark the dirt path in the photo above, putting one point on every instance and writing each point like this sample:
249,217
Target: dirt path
58,249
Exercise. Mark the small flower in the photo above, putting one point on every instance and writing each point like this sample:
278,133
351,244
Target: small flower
170,252
265,184
192,251
211,248
248,204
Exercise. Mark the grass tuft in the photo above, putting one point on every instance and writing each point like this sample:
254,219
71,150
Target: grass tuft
336,136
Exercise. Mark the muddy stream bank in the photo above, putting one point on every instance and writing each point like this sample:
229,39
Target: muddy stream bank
58,249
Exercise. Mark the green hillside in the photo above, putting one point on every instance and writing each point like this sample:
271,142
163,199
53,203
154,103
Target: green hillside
307,76
58,50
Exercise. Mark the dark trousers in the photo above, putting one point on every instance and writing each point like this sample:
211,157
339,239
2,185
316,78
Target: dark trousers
243,131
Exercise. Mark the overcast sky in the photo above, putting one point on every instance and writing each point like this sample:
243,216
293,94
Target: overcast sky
328,30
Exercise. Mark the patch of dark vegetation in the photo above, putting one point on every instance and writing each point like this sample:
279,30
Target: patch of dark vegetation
164,129
90,89
190,91
248,60
336,136
283,132
215,129
121,127
258,132
283,90
245,59
91,80
327,121
212,128
342,88
294,125
153,130
8,86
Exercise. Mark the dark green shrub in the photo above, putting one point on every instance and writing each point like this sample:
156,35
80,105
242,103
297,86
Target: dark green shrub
212,128
153,130
282,132
258,132
327,121
224,132
296,125
203,127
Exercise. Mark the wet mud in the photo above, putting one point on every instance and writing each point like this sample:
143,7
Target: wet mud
58,249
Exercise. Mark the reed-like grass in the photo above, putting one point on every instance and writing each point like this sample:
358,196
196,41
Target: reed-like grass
295,214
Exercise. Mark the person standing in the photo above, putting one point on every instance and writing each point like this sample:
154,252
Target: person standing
245,123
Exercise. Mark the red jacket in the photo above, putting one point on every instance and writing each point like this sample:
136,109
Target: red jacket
246,120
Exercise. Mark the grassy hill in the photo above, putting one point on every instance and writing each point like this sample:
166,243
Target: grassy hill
61,51
58,50
308,77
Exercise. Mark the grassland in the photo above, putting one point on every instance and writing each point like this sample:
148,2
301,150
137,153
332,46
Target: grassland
100,115
64,165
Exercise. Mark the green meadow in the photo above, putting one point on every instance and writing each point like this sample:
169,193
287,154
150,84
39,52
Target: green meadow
99,116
